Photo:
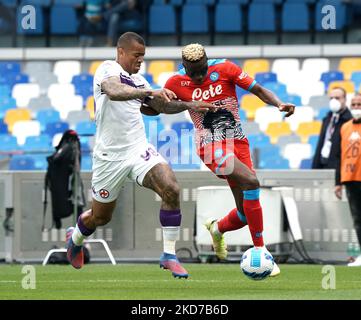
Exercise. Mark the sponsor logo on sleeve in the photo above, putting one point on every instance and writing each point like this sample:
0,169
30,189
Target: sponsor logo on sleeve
243,75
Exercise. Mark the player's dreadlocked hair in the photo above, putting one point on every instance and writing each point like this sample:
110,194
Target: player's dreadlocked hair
193,52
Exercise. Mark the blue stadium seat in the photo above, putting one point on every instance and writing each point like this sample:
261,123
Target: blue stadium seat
82,79
85,128
165,25
327,77
5,91
259,140
18,78
6,104
228,18
295,17
83,84
258,21
194,19
276,87
59,14
269,151
206,2
274,163
322,113
21,163
41,143
7,67
53,128
341,19
43,3
8,101
40,161
3,128
84,144
242,114
9,3
149,78
292,98
356,79
176,2
268,1
242,2
306,164
313,140
302,1
8,143
46,116
75,3
240,92
263,77
86,163
28,28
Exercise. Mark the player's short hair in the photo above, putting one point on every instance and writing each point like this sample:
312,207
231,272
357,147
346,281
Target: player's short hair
127,38
342,89
193,52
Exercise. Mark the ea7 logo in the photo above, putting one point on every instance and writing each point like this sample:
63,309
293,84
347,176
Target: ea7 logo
185,83
199,94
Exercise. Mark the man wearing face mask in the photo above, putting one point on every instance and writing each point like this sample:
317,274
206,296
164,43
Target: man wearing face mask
350,168
327,155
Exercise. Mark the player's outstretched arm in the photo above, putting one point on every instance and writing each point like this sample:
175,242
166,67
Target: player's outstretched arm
176,106
118,91
270,98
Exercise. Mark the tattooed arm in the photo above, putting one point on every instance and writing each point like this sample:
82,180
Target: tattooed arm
176,106
118,91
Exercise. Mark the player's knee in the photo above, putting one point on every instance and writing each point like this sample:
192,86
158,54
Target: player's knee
171,194
252,183
101,220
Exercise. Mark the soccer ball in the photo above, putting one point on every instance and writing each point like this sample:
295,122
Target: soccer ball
257,263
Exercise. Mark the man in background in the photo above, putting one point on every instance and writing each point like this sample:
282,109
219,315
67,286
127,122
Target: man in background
350,168
327,155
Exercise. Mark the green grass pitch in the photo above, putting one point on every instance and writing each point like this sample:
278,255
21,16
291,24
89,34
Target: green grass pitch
148,281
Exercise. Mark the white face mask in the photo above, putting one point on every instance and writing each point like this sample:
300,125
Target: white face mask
356,113
335,105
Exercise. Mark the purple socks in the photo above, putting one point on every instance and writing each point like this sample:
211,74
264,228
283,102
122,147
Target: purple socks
170,218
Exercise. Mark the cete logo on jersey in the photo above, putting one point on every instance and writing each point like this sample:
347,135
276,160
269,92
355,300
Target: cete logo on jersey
199,94
185,83
214,76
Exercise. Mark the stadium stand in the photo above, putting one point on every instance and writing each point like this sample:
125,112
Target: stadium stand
213,21
45,97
